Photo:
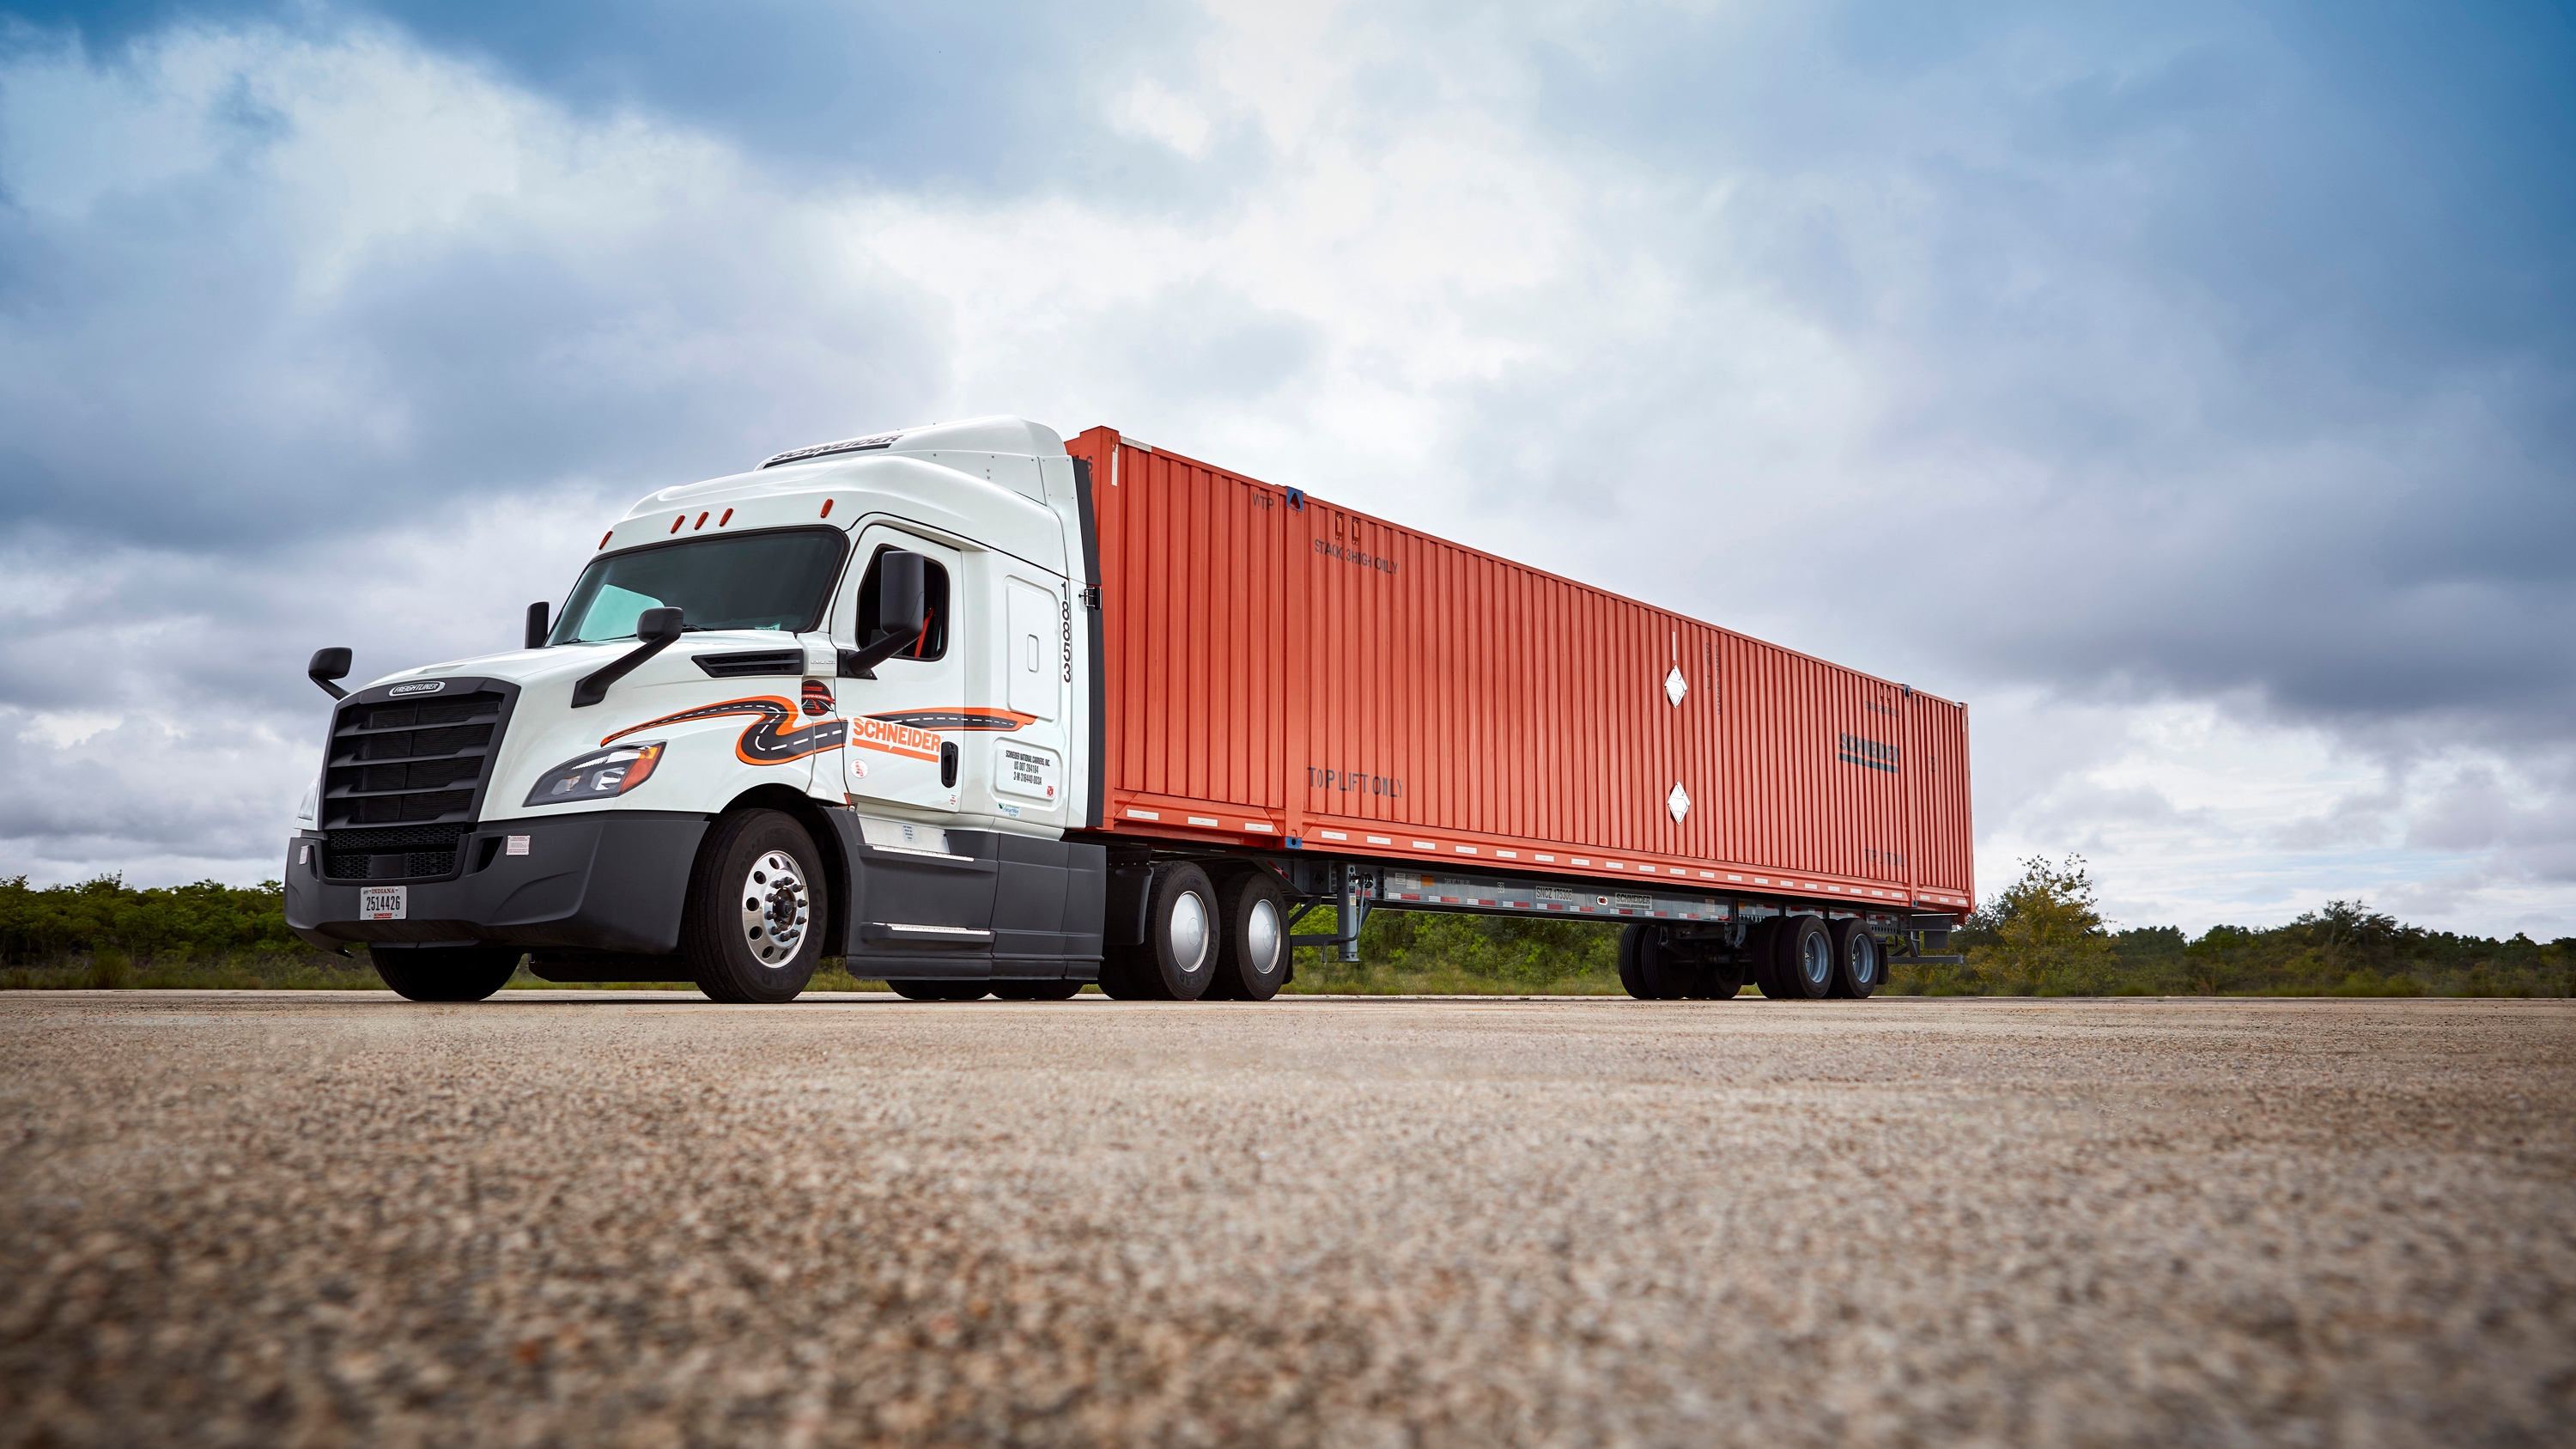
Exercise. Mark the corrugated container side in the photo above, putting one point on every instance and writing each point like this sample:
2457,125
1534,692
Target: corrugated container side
1285,666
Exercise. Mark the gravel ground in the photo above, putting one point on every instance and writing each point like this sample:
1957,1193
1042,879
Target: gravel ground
609,1218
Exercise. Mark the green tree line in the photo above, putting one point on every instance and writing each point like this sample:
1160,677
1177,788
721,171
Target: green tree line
2042,935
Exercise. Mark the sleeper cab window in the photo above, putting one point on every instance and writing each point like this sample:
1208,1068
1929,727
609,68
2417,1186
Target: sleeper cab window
934,634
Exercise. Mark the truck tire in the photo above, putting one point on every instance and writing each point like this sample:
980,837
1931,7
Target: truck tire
1634,984
1860,963
1252,944
1804,964
754,924
1755,959
445,973
1717,978
1662,971
1037,990
939,990
1178,959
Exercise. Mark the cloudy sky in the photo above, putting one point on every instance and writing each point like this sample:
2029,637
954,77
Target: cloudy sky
2190,387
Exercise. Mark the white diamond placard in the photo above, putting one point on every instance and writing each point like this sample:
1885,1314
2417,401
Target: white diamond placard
1678,802
1675,687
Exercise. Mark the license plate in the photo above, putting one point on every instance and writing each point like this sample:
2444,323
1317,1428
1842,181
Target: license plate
384,903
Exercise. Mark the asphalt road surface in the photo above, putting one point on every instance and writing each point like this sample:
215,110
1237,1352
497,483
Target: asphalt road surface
608,1218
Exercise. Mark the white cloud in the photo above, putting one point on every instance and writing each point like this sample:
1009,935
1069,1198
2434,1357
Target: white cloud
1879,377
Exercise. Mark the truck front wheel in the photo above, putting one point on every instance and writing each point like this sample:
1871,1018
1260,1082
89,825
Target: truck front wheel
753,930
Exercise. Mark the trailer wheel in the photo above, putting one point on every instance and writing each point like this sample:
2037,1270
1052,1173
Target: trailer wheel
445,973
1178,959
1252,946
1805,960
753,929
1628,977
1753,962
1859,962
1036,990
940,990
1716,979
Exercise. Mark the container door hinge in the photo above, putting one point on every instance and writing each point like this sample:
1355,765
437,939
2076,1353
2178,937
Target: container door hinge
1091,598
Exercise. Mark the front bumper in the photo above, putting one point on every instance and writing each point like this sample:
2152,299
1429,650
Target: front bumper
603,881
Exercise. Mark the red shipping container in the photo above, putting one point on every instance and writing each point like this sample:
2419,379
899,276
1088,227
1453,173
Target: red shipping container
1278,668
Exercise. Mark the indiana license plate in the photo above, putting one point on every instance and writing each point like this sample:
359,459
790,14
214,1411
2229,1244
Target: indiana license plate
384,903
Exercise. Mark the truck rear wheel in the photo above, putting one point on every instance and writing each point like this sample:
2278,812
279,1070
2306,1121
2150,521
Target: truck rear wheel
1859,964
1252,946
1804,964
1634,984
1178,957
753,929
445,973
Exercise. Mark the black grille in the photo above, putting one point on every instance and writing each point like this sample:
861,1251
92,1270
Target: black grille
398,854
752,661
403,782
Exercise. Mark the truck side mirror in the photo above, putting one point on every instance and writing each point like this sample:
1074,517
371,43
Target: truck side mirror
657,626
903,594
537,629
328,665
654,631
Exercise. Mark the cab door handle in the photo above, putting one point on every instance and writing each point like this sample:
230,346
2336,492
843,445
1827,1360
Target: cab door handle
948,765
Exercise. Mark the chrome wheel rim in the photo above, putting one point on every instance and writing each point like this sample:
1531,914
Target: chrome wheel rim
1864,960
1261,936
775,908
1189,933
1816,960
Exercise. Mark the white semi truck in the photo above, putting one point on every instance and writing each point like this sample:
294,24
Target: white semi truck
860,702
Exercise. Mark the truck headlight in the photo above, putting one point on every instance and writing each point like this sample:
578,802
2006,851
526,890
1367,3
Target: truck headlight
599,775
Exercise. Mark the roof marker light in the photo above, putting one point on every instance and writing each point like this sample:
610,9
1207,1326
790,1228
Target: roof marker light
702,522
827,509
728,518
605,537
676,522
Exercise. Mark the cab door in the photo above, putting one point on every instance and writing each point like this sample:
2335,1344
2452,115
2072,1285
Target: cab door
903,747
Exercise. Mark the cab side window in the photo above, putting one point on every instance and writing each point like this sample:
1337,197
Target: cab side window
934,634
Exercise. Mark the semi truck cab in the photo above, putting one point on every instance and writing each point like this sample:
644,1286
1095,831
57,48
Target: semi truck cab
831,706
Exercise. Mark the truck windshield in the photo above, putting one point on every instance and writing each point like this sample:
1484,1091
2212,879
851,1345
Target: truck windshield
777,580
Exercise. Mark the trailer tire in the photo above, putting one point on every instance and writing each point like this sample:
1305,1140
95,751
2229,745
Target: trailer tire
1717,978
1860,962
1666,974
1178,960
753,928
1753,960
445,973
1628,977
1804,963
1036,990
1252,946
914,990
